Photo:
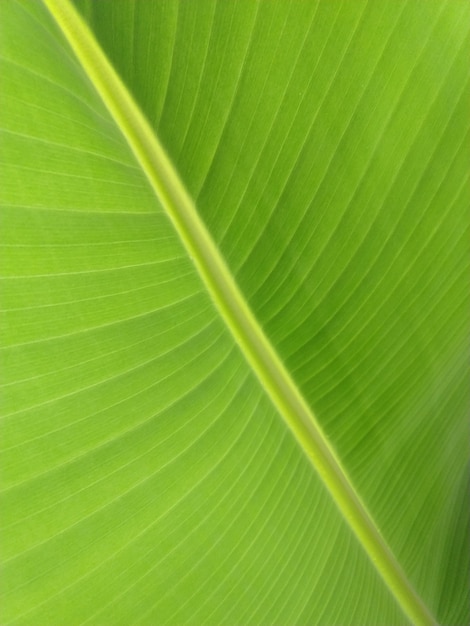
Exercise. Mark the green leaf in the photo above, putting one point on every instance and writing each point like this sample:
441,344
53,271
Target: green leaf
285,238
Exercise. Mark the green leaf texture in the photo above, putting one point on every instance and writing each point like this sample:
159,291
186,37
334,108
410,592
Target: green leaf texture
147,476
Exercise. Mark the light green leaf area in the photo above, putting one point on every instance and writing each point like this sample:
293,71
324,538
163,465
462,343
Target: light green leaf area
147,476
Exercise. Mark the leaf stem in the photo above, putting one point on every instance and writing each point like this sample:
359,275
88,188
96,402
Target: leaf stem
232,306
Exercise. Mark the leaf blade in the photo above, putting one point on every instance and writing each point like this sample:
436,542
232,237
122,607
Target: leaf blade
413,532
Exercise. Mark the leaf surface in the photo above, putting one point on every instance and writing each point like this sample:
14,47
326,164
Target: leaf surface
147,477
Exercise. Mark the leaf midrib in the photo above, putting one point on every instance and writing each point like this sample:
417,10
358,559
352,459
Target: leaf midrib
234,310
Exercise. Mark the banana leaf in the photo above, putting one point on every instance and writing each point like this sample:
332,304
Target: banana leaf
234,261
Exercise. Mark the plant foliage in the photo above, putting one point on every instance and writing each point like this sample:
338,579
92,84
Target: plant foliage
148,476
